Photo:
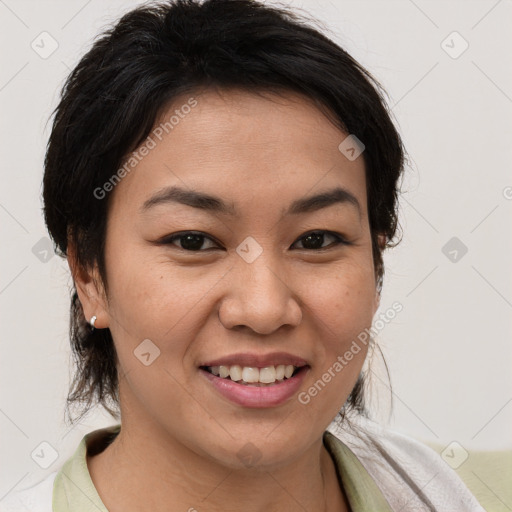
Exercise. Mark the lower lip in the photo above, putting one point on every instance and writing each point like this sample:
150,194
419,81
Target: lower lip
257,396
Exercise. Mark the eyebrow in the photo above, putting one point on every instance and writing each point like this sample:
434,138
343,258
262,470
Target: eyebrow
207,202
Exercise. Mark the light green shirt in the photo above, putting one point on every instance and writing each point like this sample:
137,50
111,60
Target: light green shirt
74,491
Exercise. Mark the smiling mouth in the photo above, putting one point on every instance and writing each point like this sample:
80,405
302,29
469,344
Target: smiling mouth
254,376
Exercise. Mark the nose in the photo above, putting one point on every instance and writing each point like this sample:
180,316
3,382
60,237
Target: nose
259,297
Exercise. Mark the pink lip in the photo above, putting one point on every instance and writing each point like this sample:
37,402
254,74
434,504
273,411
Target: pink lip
255,396
257,360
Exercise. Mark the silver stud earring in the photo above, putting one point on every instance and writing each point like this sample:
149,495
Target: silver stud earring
93,320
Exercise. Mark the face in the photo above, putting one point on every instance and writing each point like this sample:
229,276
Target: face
254,275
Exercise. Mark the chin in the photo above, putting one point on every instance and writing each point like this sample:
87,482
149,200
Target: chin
257,452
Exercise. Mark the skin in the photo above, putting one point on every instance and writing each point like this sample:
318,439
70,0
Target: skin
180,438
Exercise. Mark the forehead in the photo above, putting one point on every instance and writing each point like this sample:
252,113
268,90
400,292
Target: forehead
244,147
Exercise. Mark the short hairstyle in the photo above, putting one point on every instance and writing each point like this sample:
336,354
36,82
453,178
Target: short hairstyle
132,73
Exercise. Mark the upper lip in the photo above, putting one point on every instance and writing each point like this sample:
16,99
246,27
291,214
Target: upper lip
257,360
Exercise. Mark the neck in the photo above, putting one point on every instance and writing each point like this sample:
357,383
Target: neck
144,469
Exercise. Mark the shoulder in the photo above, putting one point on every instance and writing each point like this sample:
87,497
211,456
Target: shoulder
36,498
410,474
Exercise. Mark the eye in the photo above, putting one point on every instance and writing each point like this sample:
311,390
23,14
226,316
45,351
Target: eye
316,239
189,240
193,241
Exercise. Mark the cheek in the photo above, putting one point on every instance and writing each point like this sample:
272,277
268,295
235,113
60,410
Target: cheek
156,297
344,300
342,309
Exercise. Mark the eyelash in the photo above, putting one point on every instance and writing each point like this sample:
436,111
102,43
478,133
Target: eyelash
339,240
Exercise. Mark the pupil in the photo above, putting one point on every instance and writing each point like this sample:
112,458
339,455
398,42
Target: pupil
192,242
315,237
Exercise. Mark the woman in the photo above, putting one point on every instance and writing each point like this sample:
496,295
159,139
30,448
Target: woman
223,180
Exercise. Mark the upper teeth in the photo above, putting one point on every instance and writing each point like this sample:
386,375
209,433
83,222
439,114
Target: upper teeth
251,374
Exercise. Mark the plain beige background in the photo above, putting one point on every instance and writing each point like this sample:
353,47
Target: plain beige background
449,350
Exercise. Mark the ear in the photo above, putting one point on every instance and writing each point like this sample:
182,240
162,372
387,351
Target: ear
90,290
381,239
376,301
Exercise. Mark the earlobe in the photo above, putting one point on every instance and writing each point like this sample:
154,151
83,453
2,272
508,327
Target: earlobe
382,241
89,290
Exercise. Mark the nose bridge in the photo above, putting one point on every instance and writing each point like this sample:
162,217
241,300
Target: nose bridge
261,279
259,295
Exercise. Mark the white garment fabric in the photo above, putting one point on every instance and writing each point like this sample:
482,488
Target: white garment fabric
412,476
